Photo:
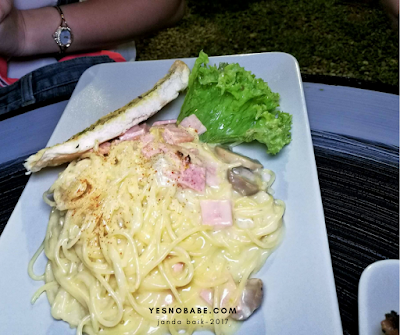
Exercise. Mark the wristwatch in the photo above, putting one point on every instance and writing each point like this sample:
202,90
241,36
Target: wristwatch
63,35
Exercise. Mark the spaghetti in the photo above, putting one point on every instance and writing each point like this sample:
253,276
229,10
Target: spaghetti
124,238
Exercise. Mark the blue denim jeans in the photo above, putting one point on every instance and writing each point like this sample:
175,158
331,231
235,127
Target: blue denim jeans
46,85
65,2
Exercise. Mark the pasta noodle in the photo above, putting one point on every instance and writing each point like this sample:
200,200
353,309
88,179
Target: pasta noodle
123,240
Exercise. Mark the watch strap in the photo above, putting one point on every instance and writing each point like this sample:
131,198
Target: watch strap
64,25
63,21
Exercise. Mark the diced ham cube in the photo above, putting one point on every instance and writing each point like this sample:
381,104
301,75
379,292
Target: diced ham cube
174,135
207,295
150,150
161,123
177,267
147,138
104,148
193,177
216,213
193,122
135,132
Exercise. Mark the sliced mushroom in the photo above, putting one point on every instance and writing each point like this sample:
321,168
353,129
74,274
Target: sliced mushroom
243,180
231,157
250,300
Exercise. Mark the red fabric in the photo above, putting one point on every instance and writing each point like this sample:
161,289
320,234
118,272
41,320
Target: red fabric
5,81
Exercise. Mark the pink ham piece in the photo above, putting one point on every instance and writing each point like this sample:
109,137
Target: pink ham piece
193,177
216,213
147,138
104,148
161,123
207,295
150,150
177,267
135,132
193,122
174,135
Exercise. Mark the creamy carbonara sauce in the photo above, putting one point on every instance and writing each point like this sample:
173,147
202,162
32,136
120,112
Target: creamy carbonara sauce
124,237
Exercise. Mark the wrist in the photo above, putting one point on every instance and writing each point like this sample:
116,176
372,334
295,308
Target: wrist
38,31
20,37
12,34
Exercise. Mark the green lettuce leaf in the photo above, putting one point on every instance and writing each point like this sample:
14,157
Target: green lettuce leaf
235,106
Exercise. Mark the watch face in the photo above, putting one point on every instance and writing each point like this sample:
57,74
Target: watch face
65,37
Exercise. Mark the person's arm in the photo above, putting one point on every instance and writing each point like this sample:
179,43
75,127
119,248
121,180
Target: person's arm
94,23
392,9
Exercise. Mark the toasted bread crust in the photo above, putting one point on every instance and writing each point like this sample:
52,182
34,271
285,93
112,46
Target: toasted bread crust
116,122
